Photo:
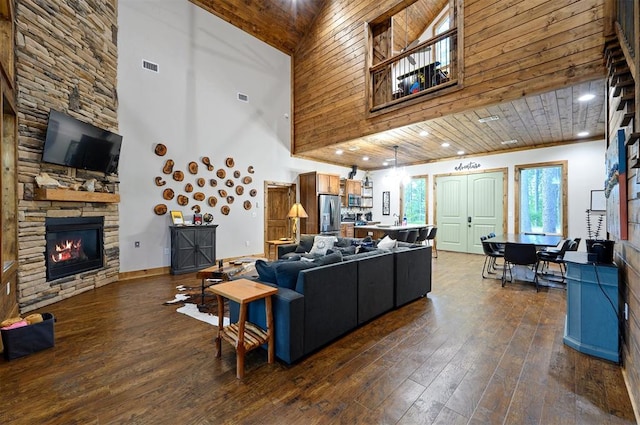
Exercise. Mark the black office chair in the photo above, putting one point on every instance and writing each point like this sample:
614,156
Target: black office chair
518,254
432,237
491,255
576,245
498,246
412,236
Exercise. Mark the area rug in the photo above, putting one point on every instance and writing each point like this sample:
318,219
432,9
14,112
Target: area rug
188,298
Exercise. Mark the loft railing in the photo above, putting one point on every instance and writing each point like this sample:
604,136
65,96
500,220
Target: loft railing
423,69
626,22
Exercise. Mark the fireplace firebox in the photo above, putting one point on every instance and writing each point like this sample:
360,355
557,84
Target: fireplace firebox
74,245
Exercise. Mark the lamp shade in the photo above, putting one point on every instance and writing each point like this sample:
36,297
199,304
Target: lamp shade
297,211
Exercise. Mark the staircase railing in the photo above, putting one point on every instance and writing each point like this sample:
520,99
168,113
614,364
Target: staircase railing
425,68
627,24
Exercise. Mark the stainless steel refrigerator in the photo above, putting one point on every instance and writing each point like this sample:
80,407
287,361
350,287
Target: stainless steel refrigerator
329,214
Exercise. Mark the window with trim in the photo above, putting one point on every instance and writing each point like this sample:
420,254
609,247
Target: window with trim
541,198
415,200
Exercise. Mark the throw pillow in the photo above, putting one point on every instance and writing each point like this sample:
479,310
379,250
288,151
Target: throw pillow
334,257
322,243
300,250
287,272
387,243
266,271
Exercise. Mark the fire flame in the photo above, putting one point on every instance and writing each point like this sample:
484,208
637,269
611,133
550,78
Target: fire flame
67,250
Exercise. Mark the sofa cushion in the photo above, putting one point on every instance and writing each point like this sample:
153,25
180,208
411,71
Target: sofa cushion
387,243
287,272
266,271
322,243
349,250
334,257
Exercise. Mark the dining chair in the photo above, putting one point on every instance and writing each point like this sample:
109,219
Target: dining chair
412,236
518,254
431,240
402,235
556,256
422,235
491,255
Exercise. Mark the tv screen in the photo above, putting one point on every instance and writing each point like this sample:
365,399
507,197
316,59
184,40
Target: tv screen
77,144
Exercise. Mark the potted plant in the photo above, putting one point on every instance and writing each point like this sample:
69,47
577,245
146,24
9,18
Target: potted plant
602,248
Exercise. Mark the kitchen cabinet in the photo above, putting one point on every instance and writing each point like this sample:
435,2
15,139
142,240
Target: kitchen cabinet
328,183
591,325
311,185
353,187
347,230
192,248
367,195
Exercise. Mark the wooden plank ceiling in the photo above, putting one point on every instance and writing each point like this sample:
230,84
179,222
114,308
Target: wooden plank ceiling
546,119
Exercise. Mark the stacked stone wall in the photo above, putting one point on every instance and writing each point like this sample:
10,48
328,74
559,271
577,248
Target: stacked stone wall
66,59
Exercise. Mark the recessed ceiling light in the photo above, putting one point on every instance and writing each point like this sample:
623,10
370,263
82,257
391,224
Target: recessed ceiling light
460,152
445,145
353,148
491,118
587,97
424,133
583,134
339,152
365,158
509,142
385,163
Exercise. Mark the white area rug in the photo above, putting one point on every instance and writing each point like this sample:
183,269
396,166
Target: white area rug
192,311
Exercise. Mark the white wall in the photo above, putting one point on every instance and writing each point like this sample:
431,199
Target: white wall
586,172
191,106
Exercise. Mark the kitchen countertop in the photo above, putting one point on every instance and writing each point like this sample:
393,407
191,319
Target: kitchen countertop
386,227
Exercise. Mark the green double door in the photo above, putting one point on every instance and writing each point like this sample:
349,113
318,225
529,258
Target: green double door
467,207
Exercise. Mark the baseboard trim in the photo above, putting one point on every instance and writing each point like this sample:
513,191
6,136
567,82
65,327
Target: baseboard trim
158,271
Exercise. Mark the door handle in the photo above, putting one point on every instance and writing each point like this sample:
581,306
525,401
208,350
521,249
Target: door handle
469,221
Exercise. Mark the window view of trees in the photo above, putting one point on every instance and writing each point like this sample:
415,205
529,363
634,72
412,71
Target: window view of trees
415,200
541,199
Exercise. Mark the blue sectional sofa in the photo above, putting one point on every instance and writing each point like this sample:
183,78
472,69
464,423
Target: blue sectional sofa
320,303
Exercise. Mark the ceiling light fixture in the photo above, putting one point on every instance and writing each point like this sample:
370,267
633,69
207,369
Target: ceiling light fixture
509,142
339,152
365,158
487,119
460,152
587,97
424,133
397,175
583,134
445,145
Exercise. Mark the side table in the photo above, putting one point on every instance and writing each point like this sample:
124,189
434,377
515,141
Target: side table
244,336
274,243
215,274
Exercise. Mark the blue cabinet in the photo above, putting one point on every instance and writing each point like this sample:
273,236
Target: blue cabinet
591,325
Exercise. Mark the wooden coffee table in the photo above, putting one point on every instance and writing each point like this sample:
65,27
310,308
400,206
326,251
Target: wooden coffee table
243,335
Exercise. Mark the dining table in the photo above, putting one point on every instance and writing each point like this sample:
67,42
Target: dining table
527,238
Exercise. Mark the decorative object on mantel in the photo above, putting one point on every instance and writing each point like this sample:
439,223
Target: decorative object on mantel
193,167
90,185
45,181
161,150
160,209
229,162
160,181
168,166
207,218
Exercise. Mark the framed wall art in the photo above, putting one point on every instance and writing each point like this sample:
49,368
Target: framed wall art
176,218
386,200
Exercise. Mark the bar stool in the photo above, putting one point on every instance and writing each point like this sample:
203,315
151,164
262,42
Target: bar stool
412,236
402,235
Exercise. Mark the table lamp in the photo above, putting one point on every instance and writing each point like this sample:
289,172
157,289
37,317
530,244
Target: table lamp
296,212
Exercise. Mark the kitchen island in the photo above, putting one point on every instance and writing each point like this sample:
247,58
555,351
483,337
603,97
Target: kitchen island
379,231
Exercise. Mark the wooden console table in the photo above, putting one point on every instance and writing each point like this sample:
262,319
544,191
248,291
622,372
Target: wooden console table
244,336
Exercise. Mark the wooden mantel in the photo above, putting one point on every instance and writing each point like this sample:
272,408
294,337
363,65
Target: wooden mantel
75,196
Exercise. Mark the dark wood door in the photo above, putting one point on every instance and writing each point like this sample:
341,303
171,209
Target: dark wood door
279,201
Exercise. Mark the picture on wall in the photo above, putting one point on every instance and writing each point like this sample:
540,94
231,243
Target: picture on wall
615,190
386,203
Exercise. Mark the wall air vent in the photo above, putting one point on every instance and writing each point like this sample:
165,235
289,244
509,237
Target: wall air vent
243,97
150,66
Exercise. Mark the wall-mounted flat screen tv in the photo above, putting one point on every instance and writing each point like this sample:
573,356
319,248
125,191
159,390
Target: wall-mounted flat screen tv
77,144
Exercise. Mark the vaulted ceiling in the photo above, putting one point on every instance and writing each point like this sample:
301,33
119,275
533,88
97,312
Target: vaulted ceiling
544,119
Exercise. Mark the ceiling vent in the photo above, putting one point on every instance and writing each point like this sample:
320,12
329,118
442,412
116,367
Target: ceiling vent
153,67
243,97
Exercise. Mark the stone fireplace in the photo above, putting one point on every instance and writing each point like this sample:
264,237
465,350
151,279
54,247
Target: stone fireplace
74,245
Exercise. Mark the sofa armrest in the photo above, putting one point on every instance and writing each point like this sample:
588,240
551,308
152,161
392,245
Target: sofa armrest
286,248
375,286
288,321
412,274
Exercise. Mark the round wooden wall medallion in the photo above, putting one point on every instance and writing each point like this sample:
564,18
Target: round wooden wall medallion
201,182
213,182
239,190
160,209
206,161
222,193
225,210
236,174
212,201
253,192
178,176
160,181
246,205
229,183
168,166
250,170
160,150
188,188
230,199
193,167
168,194
221,173
182,200
196,209
198,196
247,180
229,162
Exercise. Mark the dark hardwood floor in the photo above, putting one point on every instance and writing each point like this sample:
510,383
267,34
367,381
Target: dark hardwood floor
472,352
